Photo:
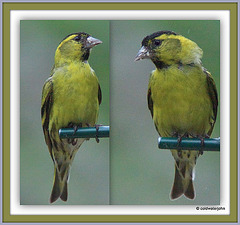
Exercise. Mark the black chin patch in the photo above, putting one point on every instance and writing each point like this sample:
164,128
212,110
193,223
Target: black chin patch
86,53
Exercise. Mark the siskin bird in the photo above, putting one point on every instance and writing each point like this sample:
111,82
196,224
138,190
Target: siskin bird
70,98
182,98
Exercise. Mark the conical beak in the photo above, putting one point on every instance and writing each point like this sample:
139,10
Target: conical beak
142,54
91,42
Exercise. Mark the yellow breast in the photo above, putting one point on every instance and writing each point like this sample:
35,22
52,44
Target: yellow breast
75,95
181,102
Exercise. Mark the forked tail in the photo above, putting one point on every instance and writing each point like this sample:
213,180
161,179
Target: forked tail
183,183
60,185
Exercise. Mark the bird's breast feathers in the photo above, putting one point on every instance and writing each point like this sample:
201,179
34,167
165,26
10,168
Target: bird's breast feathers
75,95
180,101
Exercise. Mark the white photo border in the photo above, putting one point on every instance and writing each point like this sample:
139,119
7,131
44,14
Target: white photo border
17,15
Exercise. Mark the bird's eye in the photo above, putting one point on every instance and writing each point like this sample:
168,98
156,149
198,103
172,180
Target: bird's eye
157,42
77,38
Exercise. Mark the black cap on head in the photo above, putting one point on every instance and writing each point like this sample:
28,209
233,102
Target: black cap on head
78,34
156,34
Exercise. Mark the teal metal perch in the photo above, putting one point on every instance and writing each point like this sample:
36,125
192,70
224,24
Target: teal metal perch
85,132
210,144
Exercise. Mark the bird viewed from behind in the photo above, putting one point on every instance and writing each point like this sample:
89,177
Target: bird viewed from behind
182,98
70,98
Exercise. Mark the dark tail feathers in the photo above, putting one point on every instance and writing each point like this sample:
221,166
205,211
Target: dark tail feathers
60,187
182,186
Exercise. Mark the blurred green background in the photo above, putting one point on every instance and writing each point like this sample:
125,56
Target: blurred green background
132,170
89,179
140,172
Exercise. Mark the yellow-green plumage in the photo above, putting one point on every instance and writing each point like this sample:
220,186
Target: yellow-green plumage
75,91
182,98
71,97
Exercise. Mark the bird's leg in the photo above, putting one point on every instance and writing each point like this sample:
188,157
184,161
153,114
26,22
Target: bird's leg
202,141
179,140
69,140
74,141
180,137
75,127
207,136
97,128
70,125
202,145
175,134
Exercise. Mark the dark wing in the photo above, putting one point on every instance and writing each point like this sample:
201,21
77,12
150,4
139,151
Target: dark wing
99,89
46,106
150,102
212,91
99,94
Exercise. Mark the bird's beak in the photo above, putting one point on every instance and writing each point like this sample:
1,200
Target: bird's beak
91,42
142,54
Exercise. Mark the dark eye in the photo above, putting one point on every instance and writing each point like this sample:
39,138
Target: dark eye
77,38
157,42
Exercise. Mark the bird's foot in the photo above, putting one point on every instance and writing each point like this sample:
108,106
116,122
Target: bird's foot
175,134
202,145
97,128
73,141
179,140
180,137
202,141
74,126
